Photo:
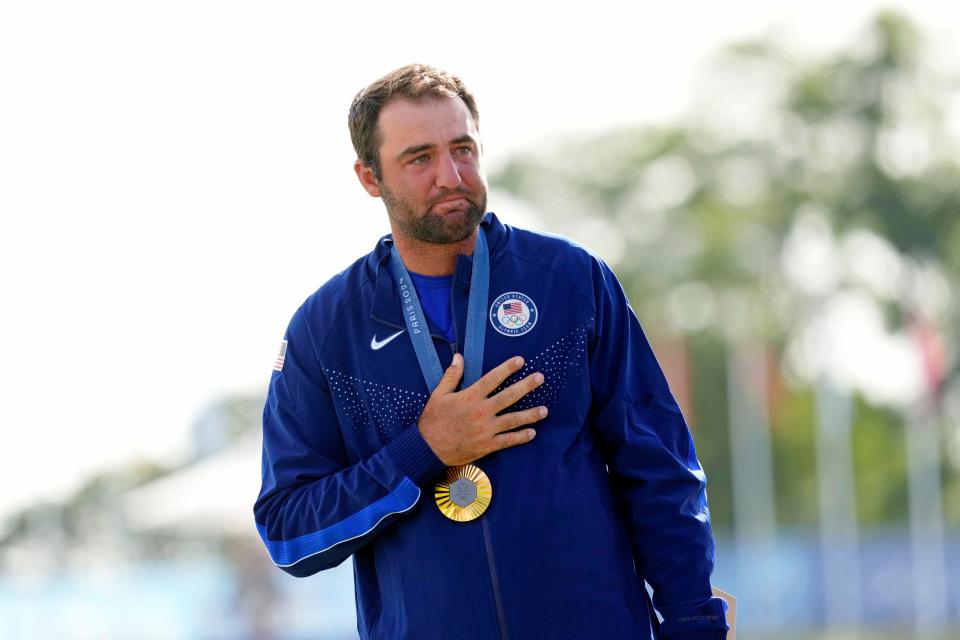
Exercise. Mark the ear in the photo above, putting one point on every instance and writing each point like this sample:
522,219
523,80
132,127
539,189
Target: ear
367,179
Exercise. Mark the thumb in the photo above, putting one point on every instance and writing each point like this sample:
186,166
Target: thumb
451,377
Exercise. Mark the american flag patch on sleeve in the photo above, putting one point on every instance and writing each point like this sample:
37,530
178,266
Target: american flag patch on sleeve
278,363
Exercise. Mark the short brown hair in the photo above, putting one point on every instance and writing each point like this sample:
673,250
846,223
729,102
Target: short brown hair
414,82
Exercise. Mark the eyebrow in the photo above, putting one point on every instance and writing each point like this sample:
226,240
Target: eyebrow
409,151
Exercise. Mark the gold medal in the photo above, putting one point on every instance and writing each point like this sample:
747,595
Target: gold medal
464,493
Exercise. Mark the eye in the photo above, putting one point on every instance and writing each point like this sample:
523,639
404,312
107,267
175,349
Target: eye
421,159
463,151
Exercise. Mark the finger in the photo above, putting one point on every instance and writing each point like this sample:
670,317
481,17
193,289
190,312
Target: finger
495,377
509,421
512,439
451,377
514,392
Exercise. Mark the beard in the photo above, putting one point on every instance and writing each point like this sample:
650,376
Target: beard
436,228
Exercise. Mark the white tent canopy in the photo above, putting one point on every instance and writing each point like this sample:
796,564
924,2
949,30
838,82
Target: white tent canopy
212,497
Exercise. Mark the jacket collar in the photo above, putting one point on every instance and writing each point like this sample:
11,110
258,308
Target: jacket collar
386,301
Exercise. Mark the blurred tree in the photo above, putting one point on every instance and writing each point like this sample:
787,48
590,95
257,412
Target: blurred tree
93,520
792,185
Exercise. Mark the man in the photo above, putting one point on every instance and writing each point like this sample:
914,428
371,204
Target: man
473,412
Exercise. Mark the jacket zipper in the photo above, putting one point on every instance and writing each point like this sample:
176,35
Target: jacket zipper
487,544
492,565
453,316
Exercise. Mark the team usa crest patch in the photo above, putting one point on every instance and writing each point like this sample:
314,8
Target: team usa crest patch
513,314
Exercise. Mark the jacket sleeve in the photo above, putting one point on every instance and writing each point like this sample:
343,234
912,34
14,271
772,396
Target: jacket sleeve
315,508
653,468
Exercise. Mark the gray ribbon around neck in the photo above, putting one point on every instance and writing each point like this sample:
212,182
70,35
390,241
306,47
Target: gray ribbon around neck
416,321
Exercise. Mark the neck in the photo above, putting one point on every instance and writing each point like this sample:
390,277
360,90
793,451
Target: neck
431,259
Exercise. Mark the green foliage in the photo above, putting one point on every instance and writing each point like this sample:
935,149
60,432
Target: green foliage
794,455
858,138
880,460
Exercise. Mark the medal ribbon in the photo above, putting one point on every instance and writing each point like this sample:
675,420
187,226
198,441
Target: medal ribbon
416,321
453,504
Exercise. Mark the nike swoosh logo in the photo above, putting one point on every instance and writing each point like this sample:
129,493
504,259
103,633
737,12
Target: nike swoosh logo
379,344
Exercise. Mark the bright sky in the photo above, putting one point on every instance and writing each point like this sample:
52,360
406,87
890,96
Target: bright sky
175,178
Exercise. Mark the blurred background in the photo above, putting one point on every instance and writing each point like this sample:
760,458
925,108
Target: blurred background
778,188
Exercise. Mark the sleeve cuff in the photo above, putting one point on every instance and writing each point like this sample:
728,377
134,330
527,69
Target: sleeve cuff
414,456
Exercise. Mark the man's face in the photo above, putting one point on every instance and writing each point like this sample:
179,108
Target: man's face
432,184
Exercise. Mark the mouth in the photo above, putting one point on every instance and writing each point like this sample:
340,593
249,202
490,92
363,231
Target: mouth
448,205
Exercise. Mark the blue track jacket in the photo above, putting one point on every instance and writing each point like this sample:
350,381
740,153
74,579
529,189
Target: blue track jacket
609,493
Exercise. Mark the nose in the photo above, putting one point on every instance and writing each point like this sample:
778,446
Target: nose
448,174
